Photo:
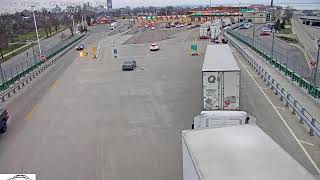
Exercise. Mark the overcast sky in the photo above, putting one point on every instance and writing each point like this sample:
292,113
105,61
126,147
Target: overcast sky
18,5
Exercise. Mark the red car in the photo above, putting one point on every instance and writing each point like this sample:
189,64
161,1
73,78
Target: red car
264,34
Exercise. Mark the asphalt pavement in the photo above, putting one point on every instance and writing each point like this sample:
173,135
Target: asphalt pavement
287,54
87,119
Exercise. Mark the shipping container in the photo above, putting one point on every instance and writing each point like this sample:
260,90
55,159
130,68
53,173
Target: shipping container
216,119
220,79
239,153
215,32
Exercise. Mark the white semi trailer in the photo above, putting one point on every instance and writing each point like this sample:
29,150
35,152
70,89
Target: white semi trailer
220,79
237,153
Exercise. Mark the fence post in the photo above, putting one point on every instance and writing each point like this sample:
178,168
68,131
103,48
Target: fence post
311,132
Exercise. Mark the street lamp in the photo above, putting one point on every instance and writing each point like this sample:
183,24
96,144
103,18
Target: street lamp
273,31
316,70
35,25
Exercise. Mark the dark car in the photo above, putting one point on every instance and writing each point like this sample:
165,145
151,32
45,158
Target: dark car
4,116
80,47
168,26
129,65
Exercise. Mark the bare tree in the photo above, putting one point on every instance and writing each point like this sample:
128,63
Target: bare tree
67,21
288,13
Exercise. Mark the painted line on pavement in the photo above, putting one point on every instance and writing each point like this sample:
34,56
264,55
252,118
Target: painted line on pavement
285,123
305,142
29,114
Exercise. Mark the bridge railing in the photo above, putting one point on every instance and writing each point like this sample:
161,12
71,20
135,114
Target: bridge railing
299,78
296,108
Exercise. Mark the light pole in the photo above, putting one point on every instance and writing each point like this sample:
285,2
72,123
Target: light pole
254,27
316,69
273,31
35,25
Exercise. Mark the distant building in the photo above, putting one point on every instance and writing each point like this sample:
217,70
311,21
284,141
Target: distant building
103,19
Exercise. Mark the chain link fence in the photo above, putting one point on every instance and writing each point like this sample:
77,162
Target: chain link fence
292,59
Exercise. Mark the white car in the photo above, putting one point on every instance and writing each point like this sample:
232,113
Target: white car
154,47
153,28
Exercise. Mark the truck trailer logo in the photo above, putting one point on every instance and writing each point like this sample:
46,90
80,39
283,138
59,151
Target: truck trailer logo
212,79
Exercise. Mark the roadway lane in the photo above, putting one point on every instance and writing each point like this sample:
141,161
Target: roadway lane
305,38
272,116
97,122
283,51
94,121
25,59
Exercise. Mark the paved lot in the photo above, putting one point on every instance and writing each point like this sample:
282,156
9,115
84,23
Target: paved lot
284,52
90,120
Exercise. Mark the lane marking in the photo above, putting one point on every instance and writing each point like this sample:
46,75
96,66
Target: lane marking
285,123
280,108
305,142
29,114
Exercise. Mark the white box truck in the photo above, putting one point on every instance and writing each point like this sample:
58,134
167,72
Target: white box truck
217,119
204,33
220,79
215,32
237,153
226,22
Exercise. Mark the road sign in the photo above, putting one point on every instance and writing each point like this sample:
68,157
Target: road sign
247,10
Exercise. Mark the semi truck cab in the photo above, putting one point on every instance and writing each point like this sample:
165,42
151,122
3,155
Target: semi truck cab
4,116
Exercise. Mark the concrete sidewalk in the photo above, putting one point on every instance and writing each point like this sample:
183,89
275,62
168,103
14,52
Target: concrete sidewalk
311,104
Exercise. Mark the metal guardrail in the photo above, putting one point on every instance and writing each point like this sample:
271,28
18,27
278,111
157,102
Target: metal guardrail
26,76
312,90
296,107
48,54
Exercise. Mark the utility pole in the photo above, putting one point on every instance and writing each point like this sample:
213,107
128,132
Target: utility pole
273,31
35,25
73,25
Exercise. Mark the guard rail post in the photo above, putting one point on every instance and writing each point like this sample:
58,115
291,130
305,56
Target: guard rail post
311,132
288,99
282,93
277,87
294,106
301,118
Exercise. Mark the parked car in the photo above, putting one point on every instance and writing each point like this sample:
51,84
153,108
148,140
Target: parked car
153,28
154,47
146,26
168,26
129,65
80,47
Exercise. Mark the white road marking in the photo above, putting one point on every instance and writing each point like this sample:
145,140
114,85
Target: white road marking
285,123
305,142
280,108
